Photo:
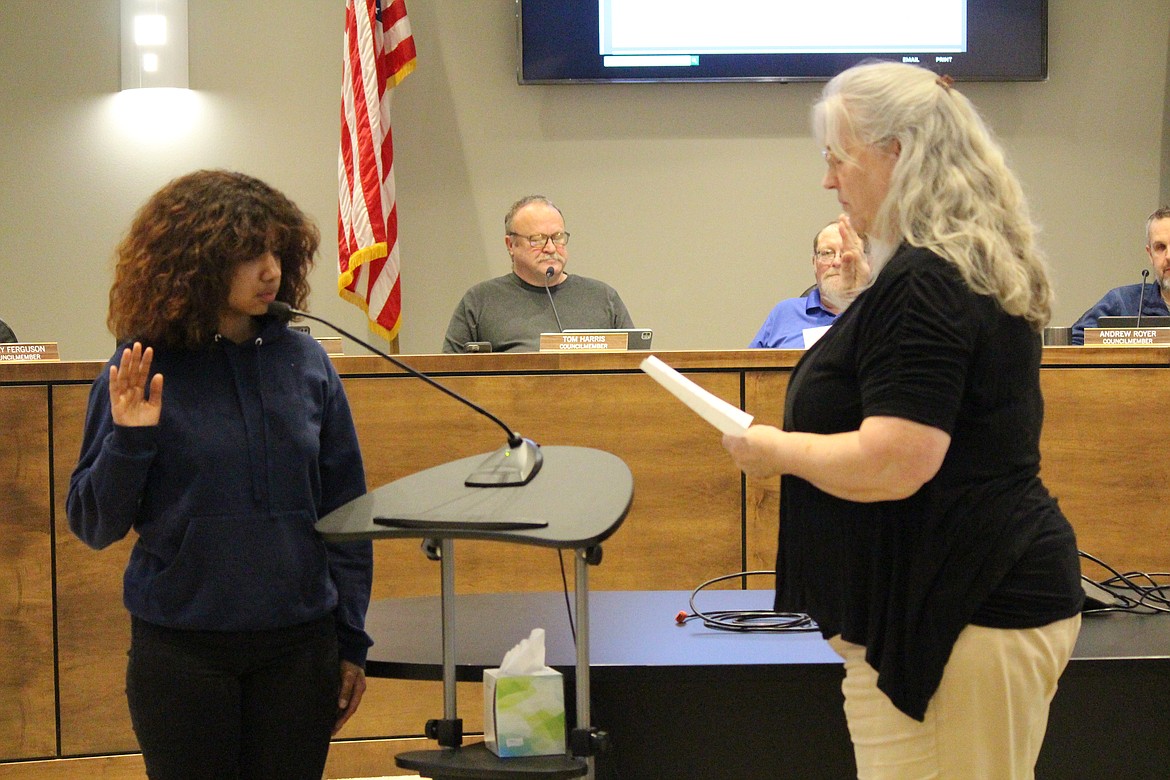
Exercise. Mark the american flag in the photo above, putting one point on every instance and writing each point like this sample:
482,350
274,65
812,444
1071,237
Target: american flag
379,53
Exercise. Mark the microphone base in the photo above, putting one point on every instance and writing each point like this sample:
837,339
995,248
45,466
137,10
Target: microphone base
508,466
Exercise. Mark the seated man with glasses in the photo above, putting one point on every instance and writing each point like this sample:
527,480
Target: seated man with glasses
511,311
842,271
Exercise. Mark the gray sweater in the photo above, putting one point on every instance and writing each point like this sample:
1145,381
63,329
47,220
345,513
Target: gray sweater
511,314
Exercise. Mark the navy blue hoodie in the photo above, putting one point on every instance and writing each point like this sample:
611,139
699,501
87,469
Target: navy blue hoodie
255,443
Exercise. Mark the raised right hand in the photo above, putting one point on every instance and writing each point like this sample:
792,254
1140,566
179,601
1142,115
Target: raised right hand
855,270
129,405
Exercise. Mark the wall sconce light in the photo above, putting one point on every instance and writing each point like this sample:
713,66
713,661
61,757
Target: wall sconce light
154,43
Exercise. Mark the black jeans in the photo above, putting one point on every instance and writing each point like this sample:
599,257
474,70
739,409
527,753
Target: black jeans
249,705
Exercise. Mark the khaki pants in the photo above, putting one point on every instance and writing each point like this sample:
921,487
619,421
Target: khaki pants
987,719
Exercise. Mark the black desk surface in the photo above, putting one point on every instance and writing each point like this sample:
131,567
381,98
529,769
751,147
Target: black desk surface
689,701
580,496
638,629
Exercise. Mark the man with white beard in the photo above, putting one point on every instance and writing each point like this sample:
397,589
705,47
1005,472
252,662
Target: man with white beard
842,271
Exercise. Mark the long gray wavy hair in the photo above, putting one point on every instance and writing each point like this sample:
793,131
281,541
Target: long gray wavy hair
951,190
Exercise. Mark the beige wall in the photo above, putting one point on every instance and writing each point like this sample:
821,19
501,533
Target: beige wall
1165,198
696,201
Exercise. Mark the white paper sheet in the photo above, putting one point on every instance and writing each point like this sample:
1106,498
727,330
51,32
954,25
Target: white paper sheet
727,418
813,335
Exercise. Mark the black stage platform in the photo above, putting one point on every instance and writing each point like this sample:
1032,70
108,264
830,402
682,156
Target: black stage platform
692,702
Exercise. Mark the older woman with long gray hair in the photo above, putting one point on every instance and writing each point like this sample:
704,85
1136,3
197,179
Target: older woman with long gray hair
914,527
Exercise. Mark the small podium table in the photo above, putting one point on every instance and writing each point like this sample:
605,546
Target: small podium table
577,500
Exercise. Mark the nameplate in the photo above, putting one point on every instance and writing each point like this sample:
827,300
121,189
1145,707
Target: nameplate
331,344
1127,337
29,353
584,341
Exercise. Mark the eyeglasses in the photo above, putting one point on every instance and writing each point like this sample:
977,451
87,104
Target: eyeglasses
834,162
826,255
539,240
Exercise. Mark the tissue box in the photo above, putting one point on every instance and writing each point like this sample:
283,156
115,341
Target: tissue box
524,715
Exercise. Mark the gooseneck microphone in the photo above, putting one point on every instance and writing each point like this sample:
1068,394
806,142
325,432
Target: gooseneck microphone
1142,297
516,463
548,275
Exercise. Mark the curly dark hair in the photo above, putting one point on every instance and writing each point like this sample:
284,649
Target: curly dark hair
174,266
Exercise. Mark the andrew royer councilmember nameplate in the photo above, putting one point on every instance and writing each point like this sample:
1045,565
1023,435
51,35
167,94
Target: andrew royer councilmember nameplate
584,342
1127,337
29,353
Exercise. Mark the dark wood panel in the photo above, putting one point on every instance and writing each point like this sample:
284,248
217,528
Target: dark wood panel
693,517
1100,427
518,363
27,724
93,627
1102,446
684,525
362,758
764,395
398,708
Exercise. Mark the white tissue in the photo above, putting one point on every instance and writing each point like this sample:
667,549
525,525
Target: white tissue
524,703
527,657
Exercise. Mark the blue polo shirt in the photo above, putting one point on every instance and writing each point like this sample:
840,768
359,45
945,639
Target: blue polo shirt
784,328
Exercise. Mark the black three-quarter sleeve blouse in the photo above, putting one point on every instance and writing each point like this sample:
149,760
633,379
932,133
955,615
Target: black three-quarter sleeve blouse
982,542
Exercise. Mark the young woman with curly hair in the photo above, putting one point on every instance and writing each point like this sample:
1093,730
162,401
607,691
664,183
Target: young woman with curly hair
220,436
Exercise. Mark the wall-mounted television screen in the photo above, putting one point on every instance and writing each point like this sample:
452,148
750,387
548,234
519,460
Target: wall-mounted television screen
571,41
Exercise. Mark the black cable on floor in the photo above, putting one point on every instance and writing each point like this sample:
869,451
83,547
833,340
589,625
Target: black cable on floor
1135,591
746,620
